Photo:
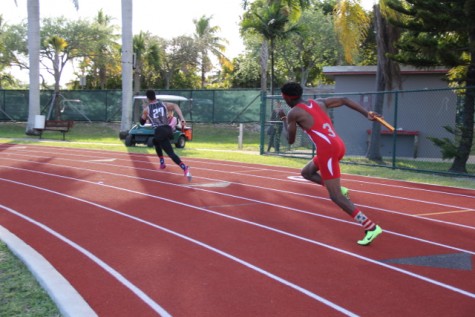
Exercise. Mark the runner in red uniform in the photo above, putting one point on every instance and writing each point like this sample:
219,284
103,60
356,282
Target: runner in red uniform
312,117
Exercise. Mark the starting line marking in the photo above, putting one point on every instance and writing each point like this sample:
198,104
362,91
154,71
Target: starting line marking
297,178
102,160
445,212
216,184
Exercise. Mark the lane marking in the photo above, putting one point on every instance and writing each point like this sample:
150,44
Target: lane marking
284,233
300,179
63,294
216,184
456,261
265,188
297,178
230,205
445,212
132,287
268,203
102,160
74,152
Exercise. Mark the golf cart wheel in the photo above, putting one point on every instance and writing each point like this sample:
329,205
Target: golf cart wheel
150,142
180,143
129,140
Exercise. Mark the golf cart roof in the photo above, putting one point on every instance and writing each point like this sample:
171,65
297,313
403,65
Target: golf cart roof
165,98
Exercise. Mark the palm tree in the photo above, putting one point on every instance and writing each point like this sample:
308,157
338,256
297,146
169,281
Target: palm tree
139,50
271,19
33,7
106,46
351,24
205,36
57,45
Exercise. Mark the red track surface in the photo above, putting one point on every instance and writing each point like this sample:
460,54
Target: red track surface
239,240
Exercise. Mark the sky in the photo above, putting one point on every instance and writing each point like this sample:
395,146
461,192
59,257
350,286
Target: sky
165,18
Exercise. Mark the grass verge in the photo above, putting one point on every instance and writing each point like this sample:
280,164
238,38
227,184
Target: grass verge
20,293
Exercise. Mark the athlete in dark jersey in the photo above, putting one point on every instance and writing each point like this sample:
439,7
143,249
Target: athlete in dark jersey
312,117
157,114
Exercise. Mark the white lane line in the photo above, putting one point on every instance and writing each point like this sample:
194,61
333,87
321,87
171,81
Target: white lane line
417,276
296,179
271,204
102,160
237,165
132,287
144,297
299,194
69,302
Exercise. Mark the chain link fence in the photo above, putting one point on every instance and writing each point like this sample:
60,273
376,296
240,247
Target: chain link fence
421,118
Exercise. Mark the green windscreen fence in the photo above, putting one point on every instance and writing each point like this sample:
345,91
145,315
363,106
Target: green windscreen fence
422,119
208,106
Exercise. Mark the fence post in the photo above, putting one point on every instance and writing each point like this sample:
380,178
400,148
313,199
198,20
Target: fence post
395,129
262,120
240,137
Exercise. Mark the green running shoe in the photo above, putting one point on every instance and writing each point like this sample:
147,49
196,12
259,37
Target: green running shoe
346,192
370,235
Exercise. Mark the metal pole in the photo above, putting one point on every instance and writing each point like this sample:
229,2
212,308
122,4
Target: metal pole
395,130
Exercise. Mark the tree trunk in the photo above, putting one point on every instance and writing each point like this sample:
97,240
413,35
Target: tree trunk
127,59
374,152
203,70
374,149
264,59
102,77
34,59
137,76
57,76
465,145
272,82
466,141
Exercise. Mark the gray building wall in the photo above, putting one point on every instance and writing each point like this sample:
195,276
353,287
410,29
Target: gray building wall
425,111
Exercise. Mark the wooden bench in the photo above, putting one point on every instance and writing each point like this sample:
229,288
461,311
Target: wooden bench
62,126
414,134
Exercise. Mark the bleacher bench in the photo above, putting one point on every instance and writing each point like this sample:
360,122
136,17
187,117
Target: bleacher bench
62,126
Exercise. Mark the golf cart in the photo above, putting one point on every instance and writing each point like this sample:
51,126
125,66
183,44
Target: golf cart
143,134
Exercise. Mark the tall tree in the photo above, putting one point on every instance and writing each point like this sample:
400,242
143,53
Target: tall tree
54,48
178,56
271,19
152,62
34,61
64,41
443,33
105,47
12,47
139,51
387,70
303,54
208,42
352,25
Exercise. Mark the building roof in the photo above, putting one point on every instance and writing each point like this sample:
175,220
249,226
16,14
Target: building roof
331,71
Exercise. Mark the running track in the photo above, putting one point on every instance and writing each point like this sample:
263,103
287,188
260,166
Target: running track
239,240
